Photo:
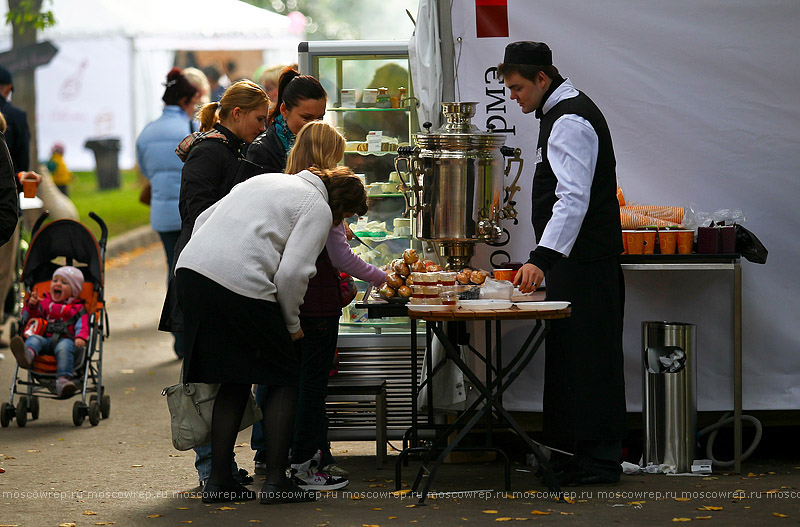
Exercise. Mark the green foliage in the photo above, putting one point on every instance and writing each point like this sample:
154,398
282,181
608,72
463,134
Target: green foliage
119,208
27,14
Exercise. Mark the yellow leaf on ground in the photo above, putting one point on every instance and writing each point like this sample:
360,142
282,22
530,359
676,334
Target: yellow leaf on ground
542,513
401,492
521,519
137,466
376,485
779,515
33,451
751,475
702,517
104,523
636,502
709,508
682,499
681,519
356,497
66,525
368,525
153,516
490,511
502,519
392,517
181,508
410,506
89,513
566,513
226,508
377,508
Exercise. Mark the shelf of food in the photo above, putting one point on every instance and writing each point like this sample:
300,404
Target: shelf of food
366,109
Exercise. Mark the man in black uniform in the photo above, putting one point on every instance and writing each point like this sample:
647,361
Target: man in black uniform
578,235
18,135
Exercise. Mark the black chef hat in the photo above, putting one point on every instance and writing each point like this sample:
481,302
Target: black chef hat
534,53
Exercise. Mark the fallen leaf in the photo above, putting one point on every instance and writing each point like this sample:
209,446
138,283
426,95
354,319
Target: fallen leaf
779,515
377,508
709,508
153,516
356,497
521,519
410,506
751,475
401,492
681,519
682,499
33,451
226,508
636,502
376,485
137,466
702,517
567,499
566,513
66,525
175,455
182,508
368,525
255,521
510,496
502,519
771,473
537,513
490,511
105,523
392,517
89,513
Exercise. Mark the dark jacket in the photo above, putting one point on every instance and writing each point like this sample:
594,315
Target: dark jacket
212,167
9,194
267,152
324,295
18,135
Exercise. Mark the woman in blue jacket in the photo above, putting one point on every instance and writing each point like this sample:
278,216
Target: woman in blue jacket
155,153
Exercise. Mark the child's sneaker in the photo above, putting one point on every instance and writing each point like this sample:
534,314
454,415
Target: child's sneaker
23,354
313,479
65,387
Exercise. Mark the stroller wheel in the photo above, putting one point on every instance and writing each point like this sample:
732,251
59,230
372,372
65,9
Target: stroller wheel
105,406
22,411
78,413
34,408
94,414
5,415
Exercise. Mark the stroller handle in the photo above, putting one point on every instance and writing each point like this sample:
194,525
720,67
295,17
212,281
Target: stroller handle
103,228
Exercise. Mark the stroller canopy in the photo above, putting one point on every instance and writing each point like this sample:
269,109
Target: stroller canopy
62,238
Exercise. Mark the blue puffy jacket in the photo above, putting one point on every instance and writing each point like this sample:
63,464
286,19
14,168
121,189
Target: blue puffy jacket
155,153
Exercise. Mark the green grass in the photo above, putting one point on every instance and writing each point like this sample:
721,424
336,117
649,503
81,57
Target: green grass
119,208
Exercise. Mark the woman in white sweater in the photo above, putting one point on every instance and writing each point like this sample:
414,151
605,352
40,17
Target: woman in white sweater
241,280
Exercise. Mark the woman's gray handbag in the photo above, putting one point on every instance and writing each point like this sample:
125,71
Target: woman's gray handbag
190,408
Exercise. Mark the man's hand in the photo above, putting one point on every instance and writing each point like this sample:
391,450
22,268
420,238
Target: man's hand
298,335
30,176
529,278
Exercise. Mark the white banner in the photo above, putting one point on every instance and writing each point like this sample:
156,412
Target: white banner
702,103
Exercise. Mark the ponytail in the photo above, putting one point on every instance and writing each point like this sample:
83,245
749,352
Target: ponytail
208,116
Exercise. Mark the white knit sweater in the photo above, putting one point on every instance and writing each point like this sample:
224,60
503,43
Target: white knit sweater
262,239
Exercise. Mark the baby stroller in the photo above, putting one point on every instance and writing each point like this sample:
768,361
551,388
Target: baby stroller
65,242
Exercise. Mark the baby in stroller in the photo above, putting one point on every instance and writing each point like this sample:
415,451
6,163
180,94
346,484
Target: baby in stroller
65,327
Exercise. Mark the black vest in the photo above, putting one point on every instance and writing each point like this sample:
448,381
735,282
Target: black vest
600,233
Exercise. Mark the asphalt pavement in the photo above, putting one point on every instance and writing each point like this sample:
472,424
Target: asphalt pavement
125,472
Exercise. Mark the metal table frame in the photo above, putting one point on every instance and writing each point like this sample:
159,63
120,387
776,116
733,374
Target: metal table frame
491,389
730,263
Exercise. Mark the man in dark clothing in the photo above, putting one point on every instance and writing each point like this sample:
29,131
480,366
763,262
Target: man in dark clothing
578,234
18,135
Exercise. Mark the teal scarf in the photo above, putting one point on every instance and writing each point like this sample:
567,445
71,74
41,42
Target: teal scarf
284,134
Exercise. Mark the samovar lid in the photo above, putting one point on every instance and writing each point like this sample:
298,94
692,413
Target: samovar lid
458,132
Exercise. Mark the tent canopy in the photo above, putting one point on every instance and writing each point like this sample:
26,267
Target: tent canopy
113,56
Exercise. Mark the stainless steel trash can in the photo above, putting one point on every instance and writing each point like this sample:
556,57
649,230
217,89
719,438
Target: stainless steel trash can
669,408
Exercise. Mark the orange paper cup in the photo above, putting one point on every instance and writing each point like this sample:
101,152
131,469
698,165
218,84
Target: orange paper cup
685,240
649,242
29,188
504,274
635,242
667,241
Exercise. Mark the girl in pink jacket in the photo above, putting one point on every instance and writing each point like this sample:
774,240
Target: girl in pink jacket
67,327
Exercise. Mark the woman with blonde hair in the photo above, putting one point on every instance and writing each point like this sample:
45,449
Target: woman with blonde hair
321,146
213,164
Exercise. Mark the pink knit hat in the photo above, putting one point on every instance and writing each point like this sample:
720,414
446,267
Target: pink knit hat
73,276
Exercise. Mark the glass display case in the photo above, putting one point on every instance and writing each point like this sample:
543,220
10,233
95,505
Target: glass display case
370,100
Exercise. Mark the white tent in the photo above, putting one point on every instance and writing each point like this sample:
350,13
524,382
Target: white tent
107,78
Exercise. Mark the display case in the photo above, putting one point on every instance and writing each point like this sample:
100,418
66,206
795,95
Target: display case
370,100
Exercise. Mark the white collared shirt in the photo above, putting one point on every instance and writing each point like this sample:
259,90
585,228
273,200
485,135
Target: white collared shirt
572,150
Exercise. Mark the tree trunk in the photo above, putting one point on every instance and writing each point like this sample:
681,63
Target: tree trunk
24,84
